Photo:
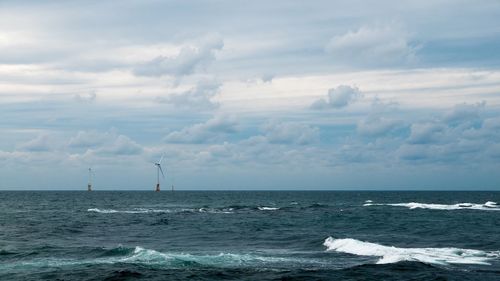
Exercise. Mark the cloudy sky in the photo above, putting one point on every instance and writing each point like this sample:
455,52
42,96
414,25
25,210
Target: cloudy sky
250,94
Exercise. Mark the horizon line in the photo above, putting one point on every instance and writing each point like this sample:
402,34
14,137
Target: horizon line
274,190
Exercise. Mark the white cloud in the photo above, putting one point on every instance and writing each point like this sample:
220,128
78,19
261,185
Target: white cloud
427,132
214,129
122,145
104,143
376,45
186,62
338,97
378,126
290,133
464,113
199,97
88,139
41,143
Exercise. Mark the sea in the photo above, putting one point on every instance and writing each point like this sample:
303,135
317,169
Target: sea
249,235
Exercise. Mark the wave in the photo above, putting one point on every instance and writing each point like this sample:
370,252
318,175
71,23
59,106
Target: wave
488,206
145,211
132,211
390,254
268,208
142,256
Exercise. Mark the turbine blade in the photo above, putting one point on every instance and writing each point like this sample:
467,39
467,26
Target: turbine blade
163,175
161,159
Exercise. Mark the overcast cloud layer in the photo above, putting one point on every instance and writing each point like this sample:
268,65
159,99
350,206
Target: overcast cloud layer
250,95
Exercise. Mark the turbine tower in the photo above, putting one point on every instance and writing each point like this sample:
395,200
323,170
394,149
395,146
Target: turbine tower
89,185
158,170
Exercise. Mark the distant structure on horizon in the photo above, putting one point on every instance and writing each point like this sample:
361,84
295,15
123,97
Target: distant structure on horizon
158,170
89,185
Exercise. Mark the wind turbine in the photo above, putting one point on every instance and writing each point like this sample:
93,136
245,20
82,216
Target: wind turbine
158,170
89,185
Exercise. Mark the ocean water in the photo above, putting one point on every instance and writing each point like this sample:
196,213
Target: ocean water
249,235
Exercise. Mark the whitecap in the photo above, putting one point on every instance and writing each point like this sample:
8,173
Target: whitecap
268,208
391,254
488,206
132,211
144,256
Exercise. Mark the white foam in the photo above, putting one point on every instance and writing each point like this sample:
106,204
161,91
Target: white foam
491,204
133,211
488,206
170,260
389,254
147,256
216,211
145,211
268,208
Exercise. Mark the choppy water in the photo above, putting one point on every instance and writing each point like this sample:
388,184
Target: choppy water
249,236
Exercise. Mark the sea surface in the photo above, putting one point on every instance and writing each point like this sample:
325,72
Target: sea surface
249,235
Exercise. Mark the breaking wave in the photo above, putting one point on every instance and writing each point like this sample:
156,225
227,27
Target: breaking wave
142,256
390,254
146,211
488,206
223,210
268,208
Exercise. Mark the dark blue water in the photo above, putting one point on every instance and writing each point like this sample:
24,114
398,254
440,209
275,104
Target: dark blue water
249,236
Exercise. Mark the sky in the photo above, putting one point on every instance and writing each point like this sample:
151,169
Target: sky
310,95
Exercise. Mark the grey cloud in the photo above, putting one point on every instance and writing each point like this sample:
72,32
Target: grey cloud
338,97
294,133
104,143
453,124
377,45
199,97
214,129
426,133
464,112
88,139
186,62
378,126
458,134
41,143
122,145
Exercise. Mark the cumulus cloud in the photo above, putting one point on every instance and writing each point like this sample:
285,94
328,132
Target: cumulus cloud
213,129
427,132
459,133
290,133
187,61
88,139
377,45
122,145
455,123
464,113
338,97
106,143
39,144
378,126
199,97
